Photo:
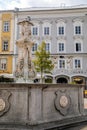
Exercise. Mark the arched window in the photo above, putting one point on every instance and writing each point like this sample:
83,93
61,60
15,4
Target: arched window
77,26
61,27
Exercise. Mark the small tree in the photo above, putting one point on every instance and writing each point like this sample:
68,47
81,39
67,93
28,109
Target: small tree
42,62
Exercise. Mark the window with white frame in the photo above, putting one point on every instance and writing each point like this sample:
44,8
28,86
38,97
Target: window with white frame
34,48
61,64
77,63
46,29
60,47
61,30
3,64
5,45
6,26
77,29
61,27
35,30
78,26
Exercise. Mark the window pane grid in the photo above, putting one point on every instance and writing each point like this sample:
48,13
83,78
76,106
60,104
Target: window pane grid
61,30
62,64
34,48
35,31
5,46
3,64
77,30
6,26
61,46
46,30
77,64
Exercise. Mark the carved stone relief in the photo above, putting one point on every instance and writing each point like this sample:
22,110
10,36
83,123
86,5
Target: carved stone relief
4,101
62,102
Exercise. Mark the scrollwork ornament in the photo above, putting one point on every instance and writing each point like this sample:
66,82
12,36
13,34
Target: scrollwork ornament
62,102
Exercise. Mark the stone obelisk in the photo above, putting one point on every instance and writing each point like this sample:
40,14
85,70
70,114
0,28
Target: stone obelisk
25,71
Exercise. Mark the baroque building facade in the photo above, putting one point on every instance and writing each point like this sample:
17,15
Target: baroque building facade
63,29
65,32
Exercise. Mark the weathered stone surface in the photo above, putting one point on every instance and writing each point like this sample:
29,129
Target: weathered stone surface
32,106
25,68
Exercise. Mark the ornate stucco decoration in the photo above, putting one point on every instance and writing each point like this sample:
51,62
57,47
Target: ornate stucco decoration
4,101
62,102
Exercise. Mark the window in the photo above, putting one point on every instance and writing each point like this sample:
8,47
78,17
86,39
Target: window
78,47
34,48
3,64
61,27
35,30
77,63
62,64
61,30
46,30
48,47
5,46
77,29
6,26
78,24
61,47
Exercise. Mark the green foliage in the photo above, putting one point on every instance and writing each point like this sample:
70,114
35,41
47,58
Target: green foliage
42,60
72,82
48,80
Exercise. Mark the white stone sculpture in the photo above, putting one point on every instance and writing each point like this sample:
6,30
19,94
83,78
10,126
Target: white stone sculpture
25,68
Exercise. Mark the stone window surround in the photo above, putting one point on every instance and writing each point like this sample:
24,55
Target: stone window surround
77,58
61,41
59,63
61,23
47,24
78,22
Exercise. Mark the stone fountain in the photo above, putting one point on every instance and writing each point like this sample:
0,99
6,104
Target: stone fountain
25,71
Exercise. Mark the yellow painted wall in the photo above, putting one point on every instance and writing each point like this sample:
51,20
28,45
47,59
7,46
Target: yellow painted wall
6,16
